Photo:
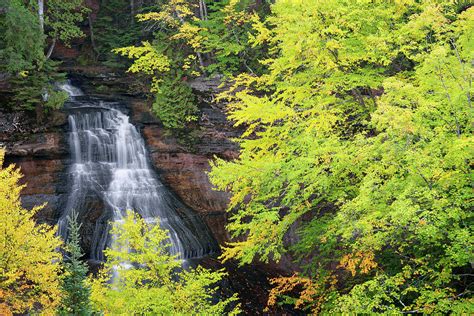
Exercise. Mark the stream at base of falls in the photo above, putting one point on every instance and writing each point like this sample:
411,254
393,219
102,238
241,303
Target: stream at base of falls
110,164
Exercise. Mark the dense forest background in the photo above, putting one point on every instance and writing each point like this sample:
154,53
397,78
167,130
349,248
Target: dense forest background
358,122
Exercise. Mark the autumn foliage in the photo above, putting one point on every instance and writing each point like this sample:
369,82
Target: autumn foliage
358,146
29,262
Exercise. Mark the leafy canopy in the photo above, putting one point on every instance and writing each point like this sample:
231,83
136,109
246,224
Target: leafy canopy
189,40
29,262
359,136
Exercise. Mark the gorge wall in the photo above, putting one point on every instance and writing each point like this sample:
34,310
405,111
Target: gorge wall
181,160
42,154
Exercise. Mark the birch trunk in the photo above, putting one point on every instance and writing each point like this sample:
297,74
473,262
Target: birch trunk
41,14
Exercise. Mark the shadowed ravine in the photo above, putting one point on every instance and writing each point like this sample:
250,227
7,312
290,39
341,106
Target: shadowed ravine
110,163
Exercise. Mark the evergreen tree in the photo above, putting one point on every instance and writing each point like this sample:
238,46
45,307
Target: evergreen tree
76,291
19,53
27,40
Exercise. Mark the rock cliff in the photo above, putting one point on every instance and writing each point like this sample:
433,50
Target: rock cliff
40,151
181,159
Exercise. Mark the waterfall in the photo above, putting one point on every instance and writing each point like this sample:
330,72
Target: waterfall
70,89
110,170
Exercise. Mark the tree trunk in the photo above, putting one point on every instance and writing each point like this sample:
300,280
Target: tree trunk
201,62
203,10
41,14
51,48
132,12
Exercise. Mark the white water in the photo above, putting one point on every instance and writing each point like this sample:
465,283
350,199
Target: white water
70,89
110,171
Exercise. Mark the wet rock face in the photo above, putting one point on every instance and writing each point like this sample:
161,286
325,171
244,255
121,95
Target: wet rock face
43,144
41,153
182,161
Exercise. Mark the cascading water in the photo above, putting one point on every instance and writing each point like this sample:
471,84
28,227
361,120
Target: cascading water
110,164
70,89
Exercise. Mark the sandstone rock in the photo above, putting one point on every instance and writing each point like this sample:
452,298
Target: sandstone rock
57,119
50,144
183,167
13,124
141,112
41,176
40,152
48,214
207,85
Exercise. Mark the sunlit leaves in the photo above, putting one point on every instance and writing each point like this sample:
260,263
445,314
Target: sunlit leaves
147,59
141,276
29,262
362,130
308,290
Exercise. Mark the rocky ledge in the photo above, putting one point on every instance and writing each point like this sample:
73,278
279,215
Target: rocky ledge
40,150
182,158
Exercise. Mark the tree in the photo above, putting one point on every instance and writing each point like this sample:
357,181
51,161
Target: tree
20,53
29,262
26,59
59,20
76,291
41,14
35,89
114,28
141,277
192,39
359,137
62,21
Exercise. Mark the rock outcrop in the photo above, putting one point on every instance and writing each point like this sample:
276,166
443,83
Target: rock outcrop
40,150
182,159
